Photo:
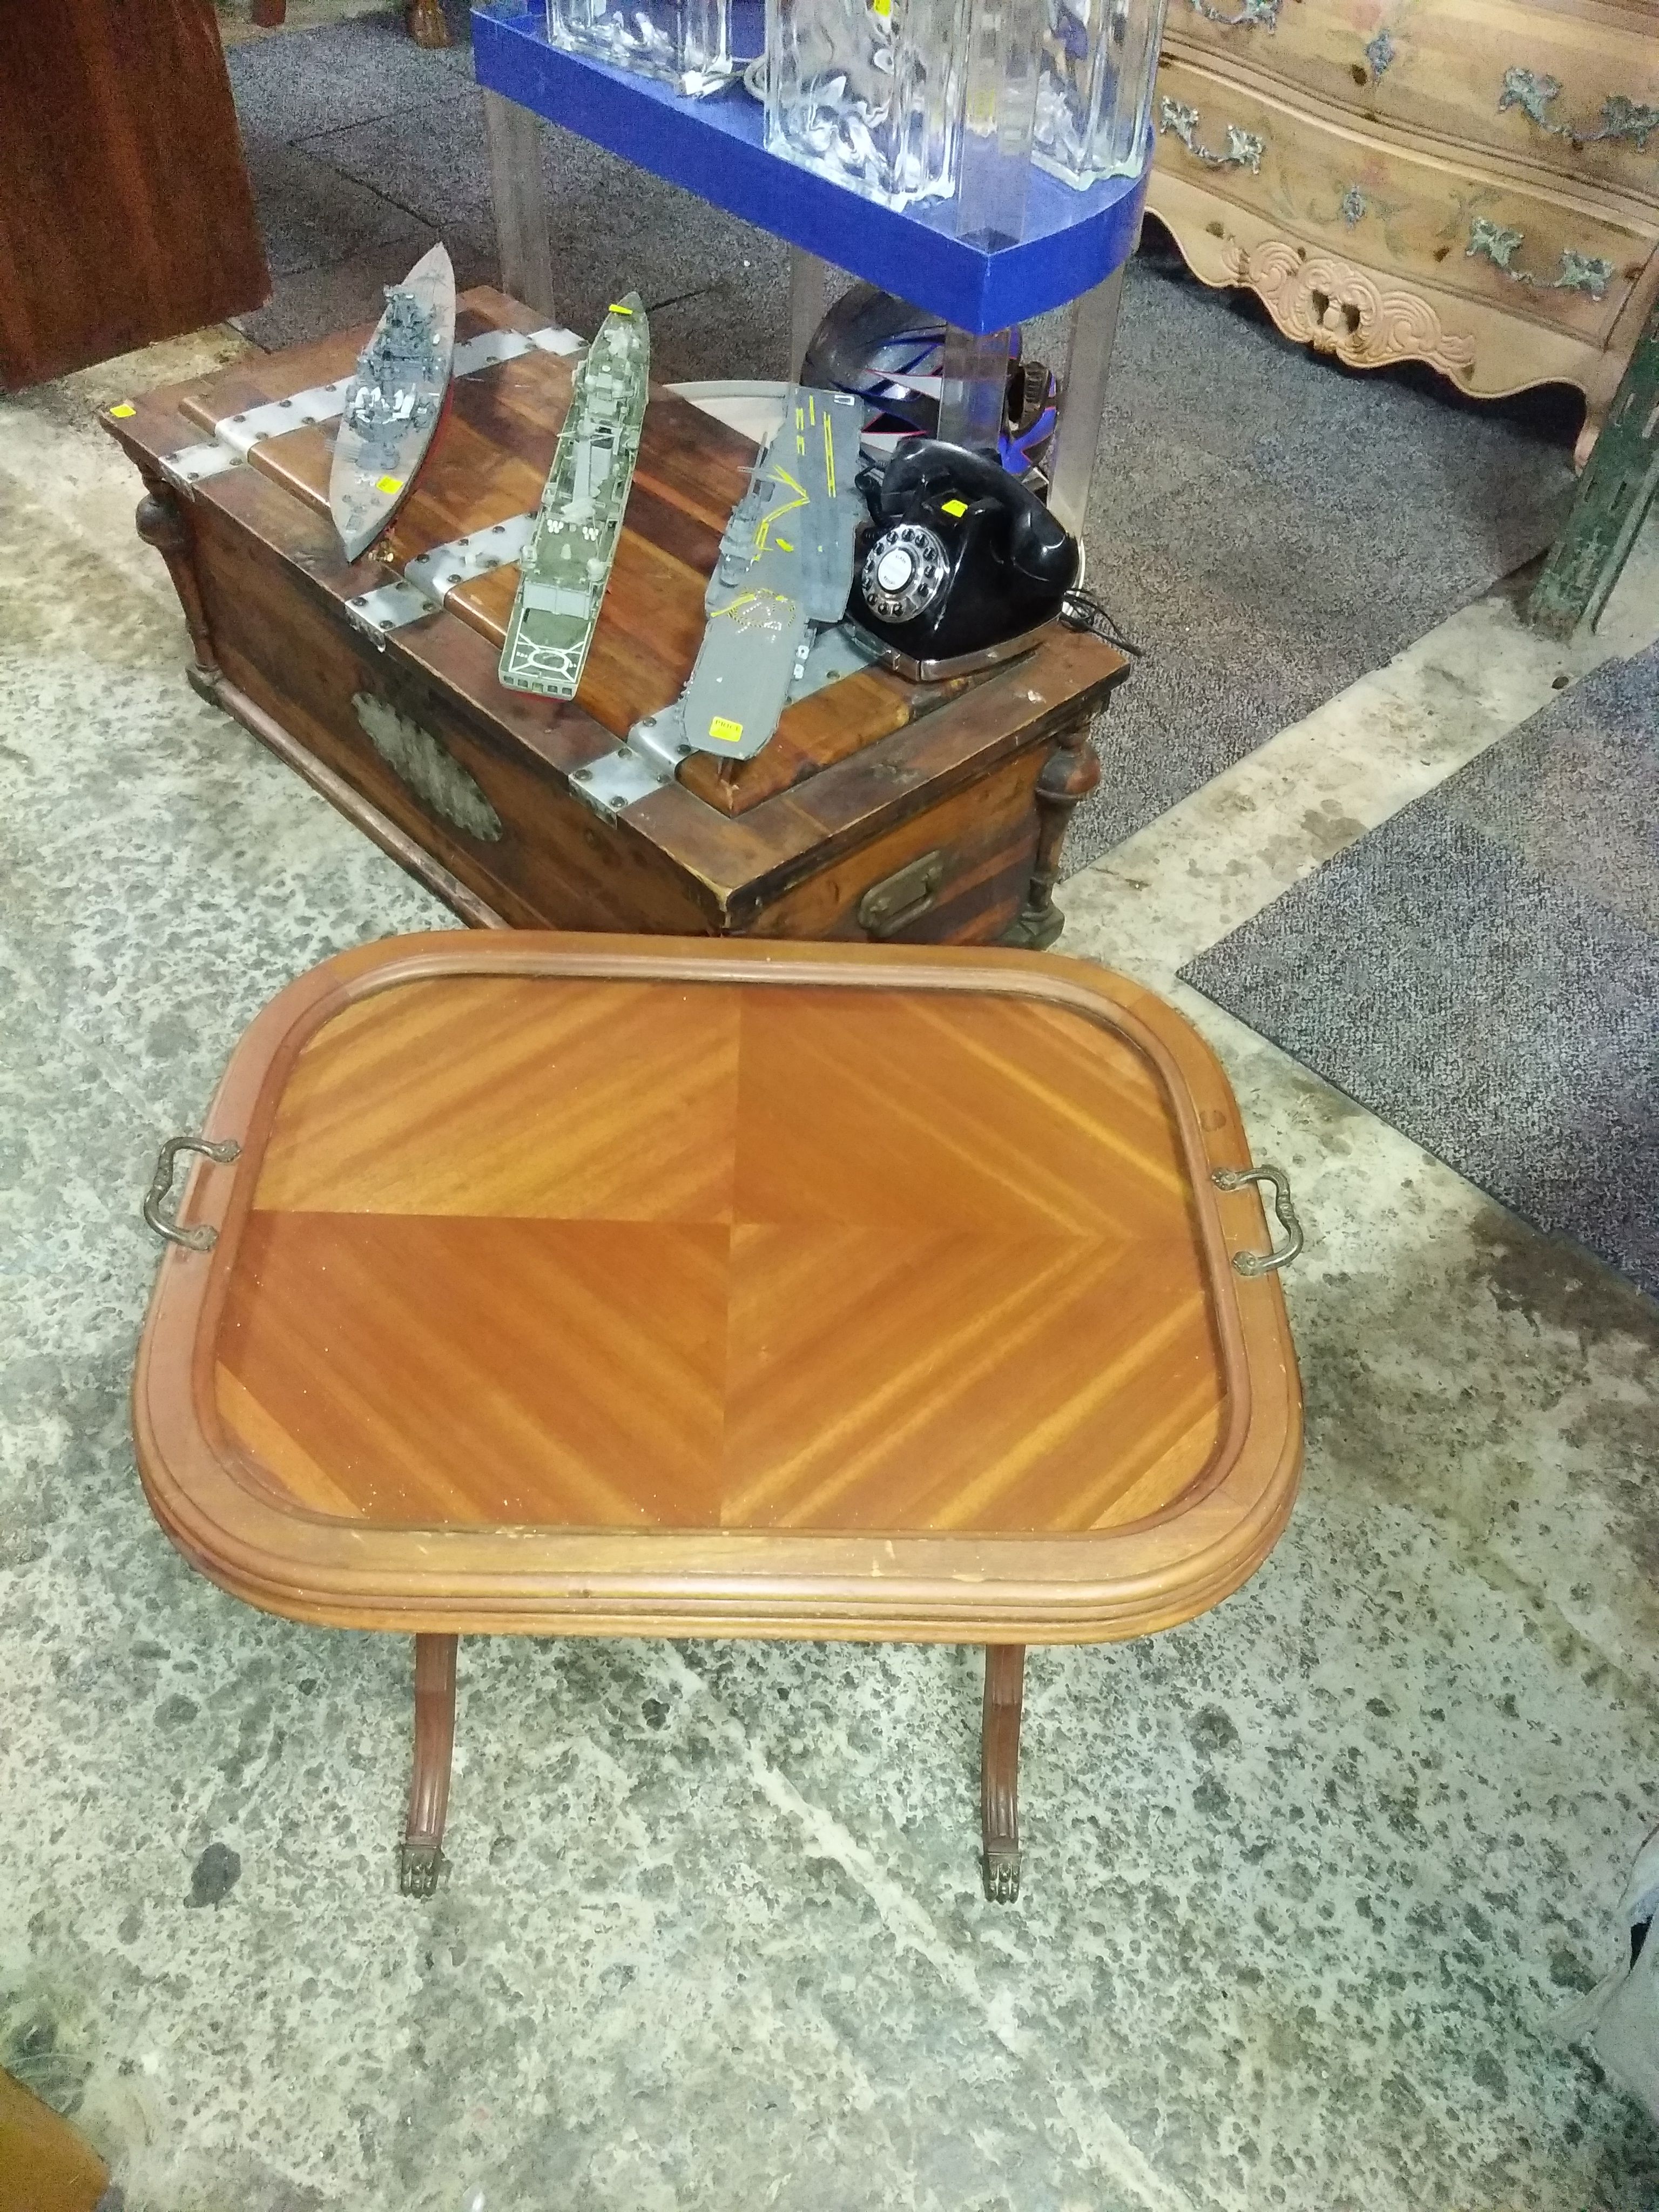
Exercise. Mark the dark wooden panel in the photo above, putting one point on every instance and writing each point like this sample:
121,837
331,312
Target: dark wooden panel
490,461
554,864
859,781
987,835
125,214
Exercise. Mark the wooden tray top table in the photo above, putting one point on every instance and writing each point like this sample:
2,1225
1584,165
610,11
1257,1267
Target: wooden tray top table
625,1286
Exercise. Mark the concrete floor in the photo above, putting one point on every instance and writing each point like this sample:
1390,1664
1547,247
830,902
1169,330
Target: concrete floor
1306,1881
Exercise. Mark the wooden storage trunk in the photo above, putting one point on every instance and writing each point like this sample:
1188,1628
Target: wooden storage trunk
879,808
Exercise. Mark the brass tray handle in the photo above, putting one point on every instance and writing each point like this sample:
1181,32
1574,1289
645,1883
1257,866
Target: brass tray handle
1266,1263
203,1237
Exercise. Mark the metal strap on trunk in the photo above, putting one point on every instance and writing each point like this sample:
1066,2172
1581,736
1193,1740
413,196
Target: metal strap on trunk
234,436
650,754
429,578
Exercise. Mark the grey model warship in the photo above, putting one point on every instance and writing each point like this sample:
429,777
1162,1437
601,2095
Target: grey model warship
567,565
785,565
393,403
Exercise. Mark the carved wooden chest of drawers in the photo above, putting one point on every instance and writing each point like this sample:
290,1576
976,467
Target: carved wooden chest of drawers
1471,183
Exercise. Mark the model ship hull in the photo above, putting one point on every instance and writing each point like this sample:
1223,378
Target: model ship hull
394,403
785,566
567,564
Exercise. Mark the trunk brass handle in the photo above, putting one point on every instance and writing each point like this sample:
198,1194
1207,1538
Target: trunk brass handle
1265,1263
204,1236
902,897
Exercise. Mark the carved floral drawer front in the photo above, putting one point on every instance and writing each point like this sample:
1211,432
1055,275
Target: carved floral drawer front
1543,254
1579,97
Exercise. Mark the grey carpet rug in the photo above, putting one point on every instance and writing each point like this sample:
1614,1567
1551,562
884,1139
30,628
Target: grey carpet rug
1483,970
1267,525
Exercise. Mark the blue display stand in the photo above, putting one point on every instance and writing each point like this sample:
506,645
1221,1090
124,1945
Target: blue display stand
714,147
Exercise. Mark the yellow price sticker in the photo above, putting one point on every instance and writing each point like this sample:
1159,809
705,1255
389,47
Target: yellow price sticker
954,507
388,486
728,733
125,409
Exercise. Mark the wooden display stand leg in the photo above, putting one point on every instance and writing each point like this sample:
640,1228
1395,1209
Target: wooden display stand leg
422,1855
1083,401
998,1787
517,193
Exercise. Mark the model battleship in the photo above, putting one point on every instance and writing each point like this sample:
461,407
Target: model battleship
786,564
393,403
567,565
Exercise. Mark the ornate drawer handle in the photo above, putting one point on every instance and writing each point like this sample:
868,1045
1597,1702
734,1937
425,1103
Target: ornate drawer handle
1533,92
1579,272
203,1237
1245,149
1266,1263
1252,15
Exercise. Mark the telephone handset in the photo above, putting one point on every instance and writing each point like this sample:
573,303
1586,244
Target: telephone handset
960,565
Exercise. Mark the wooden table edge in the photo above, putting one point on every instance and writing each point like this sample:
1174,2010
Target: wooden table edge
1088,1586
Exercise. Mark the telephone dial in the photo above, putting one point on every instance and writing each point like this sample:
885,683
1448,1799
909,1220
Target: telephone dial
960,565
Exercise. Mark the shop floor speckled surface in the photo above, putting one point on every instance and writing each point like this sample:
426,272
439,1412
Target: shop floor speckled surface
1306,1882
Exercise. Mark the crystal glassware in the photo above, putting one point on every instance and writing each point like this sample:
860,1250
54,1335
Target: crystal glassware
685,43
869,93
1095,88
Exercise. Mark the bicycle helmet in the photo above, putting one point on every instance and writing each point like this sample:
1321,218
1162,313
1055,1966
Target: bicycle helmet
891,355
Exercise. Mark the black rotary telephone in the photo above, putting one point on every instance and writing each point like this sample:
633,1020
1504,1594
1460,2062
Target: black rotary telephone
960,564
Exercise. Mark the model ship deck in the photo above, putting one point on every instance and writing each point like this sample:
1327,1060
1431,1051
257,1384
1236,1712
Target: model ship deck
785,563
394,404
566,565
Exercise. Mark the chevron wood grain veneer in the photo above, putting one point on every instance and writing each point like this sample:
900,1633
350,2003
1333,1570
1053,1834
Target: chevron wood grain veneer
622,1285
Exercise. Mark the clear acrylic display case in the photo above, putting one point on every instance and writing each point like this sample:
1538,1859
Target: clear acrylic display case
684,43
1095,88
869,93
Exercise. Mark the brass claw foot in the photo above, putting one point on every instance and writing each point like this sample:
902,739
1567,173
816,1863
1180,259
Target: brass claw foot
1002,1876
419,1865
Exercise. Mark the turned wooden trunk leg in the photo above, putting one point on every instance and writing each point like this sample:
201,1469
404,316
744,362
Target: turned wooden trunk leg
1070,774
998,1787
422,1854
427,25
162,523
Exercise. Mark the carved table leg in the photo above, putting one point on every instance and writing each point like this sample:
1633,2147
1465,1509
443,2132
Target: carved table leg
162,523
999,1786
427,25
422,1855
1070,773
